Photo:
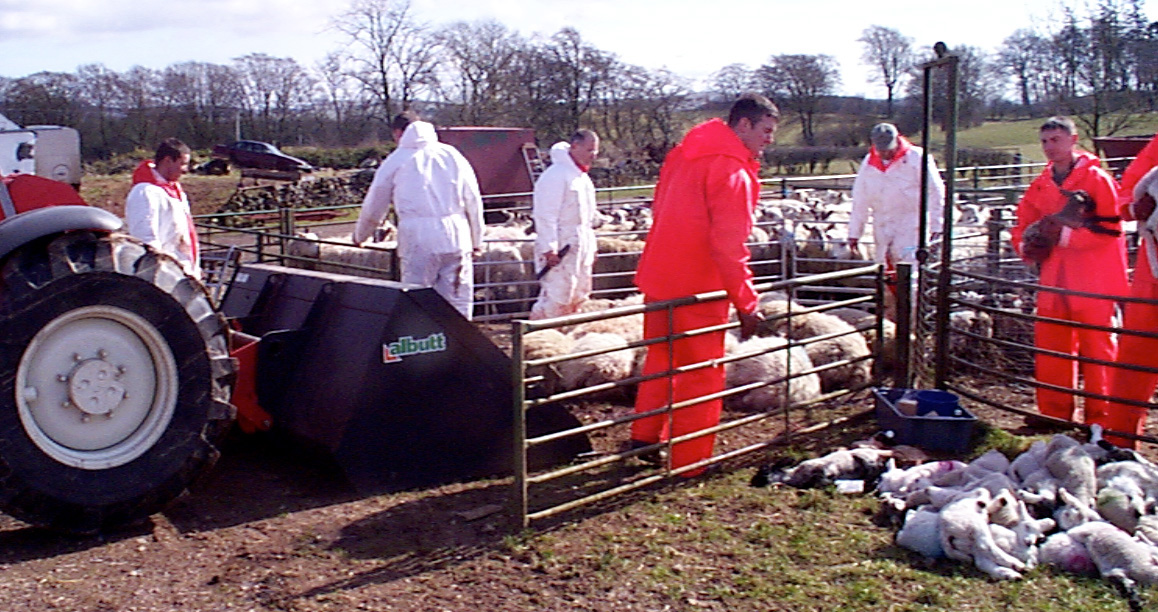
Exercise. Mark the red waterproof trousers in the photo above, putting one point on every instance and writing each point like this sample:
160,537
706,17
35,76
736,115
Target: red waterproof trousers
655,394
1062,372
1135,350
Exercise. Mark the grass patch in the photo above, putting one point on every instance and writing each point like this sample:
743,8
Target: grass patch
723,545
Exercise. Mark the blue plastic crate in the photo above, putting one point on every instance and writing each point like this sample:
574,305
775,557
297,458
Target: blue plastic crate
932,431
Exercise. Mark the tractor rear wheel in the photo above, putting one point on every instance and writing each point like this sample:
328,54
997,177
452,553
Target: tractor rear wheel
114,381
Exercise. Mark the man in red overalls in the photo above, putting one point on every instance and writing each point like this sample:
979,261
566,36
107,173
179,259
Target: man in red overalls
702,213
1136,350
1090,258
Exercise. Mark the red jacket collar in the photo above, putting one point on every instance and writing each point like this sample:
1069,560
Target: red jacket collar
714,137
878,162
146,172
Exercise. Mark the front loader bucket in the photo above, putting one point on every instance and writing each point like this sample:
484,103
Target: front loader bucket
388,377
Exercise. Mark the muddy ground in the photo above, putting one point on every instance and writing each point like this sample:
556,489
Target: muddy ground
273,528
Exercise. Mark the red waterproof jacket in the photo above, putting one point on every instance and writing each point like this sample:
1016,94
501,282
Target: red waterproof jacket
1084,260
702,216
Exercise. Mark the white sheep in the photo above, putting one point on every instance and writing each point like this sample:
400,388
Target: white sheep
841,464
921,533
1020,538
966,537
308,252
610,366
1119,558
847,344
1061,550
772,361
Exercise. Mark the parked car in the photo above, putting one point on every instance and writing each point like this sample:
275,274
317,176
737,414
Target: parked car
256,154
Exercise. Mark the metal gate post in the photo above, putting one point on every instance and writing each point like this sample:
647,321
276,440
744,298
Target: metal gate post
948,61
518,374
904,315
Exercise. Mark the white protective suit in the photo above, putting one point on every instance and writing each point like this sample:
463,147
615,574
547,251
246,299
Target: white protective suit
440,214
893,197
563,209
158,218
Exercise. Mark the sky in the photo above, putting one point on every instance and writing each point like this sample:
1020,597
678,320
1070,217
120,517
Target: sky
692,38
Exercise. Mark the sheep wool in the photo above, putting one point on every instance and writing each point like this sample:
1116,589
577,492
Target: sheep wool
770,364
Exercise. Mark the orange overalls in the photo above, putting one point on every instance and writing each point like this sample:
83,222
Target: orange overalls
1135,350
702,215
1082,261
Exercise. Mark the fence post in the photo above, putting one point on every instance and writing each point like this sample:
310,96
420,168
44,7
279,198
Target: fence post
904,288
518,373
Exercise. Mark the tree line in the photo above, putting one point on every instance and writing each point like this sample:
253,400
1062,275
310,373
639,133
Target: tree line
1099,64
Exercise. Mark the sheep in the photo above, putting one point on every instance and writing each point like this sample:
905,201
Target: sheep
308,252
848,345
628,327
1061,550
1021,536
615,263
842,464
1073,467
1121,559
589,371
544,344
866,322
966,537
1072,511
902,482
1028,462
503,269
921,533
772,362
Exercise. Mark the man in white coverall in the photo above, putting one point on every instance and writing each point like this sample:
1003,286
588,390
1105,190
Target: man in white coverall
157,209
888,186
564,207
439,210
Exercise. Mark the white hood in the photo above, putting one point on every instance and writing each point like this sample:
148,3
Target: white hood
417,135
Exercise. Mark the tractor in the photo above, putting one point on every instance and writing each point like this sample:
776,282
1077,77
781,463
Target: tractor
121,375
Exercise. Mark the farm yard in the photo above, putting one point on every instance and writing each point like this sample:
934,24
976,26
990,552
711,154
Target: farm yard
272,528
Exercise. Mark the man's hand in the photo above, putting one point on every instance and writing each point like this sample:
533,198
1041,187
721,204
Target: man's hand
853,243
750,323
1040,238
1144,207
551,258
476,252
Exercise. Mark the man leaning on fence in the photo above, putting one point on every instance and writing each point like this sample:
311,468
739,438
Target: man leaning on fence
704,201
1067,224
435,194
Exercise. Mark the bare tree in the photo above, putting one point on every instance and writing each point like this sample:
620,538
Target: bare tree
276,90
799,83
1024,55
373,28
890,53
478,72
731,81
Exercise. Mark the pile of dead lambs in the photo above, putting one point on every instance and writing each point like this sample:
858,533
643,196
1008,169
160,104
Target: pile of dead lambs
1088,508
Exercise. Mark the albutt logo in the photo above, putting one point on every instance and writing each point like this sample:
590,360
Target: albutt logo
407,345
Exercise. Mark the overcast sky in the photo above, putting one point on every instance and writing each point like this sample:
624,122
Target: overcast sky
692,38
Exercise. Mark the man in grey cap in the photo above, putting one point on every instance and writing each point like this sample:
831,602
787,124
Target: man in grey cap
888,187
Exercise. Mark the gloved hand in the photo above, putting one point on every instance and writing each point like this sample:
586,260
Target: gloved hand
1040,238
1143,207
750,323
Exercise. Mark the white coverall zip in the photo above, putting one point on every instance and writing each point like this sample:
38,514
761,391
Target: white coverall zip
440,214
